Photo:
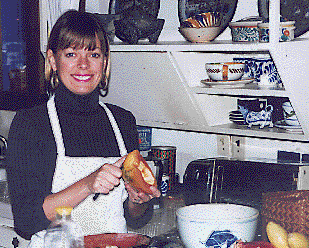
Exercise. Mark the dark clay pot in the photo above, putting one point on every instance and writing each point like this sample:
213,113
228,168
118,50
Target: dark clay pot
137,20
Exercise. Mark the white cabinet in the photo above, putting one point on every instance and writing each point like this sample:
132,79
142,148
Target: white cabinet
160,83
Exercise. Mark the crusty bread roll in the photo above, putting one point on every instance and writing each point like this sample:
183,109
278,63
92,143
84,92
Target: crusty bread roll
137,172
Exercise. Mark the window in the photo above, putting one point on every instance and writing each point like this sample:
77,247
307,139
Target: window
22,83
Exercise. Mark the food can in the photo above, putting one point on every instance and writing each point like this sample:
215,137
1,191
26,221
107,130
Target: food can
167,154
164,184
144,138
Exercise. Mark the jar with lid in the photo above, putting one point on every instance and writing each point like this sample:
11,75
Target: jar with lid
63,232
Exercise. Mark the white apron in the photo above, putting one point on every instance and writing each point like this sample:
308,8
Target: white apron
104,215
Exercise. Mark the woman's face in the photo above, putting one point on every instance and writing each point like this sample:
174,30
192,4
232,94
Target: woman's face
79,70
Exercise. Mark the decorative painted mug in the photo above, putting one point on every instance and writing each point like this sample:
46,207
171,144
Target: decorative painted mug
227,71
289,114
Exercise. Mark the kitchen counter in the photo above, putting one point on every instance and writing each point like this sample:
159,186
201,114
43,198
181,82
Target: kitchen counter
164,218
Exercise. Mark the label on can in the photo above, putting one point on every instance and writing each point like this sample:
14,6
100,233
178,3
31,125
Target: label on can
164,184
144,138
168,155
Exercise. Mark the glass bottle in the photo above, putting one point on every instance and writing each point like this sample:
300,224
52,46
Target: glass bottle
64,232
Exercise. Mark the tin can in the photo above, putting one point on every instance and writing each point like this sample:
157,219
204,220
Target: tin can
167,154
144,138
164,184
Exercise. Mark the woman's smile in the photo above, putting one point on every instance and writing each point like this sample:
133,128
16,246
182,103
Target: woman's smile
83,77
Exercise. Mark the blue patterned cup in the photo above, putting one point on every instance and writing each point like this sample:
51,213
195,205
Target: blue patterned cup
266,74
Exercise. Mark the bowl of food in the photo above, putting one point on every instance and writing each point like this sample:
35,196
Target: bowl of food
225,71
198,223
245,30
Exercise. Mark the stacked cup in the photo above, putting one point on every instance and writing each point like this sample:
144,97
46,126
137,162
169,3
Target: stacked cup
289,115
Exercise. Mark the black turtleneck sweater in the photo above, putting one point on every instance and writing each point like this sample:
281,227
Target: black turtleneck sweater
31,155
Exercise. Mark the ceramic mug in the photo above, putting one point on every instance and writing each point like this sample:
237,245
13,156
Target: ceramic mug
252,104
265,73
289,115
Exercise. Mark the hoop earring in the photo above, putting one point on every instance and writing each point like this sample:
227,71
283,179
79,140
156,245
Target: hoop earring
103,88
54,80
104,92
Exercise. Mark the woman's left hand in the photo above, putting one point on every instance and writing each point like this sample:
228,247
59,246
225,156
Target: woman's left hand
140,197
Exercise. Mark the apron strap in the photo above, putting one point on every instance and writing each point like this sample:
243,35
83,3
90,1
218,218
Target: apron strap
51,108
52,112
122,147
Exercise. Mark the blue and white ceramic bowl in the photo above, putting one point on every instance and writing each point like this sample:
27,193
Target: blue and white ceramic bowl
196,223
245,30
286,31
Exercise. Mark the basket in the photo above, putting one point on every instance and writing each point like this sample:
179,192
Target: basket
290,209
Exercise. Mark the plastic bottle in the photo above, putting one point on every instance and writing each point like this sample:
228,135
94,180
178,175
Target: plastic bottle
64,232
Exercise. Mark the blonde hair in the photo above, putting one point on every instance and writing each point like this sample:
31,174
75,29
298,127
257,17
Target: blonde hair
78,30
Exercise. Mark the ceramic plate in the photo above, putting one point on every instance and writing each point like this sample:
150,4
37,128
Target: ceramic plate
227,84
283,125
236,117
235,112
291,10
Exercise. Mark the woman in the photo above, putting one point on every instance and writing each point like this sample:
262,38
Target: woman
64,152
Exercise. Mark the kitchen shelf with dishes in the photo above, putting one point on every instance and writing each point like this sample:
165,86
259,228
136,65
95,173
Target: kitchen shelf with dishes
188,60
212,104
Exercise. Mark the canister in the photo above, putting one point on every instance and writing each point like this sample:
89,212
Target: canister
167,154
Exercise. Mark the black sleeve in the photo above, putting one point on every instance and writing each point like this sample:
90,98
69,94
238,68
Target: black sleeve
29,172
141,221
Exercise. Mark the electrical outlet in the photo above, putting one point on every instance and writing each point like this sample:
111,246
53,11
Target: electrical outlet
224,145
238,147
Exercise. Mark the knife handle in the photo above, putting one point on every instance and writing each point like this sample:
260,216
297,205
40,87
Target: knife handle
96,195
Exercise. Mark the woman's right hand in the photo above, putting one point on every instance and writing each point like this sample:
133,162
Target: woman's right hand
105,178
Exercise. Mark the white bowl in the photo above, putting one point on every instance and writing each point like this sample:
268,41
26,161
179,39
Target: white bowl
286,31
228,71
195,223
200,34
